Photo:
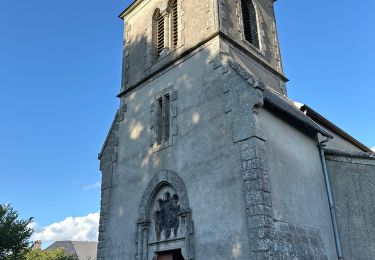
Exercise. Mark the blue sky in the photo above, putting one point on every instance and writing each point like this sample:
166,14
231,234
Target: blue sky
60,68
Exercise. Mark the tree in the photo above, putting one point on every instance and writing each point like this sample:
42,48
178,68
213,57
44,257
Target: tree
14,234
56,254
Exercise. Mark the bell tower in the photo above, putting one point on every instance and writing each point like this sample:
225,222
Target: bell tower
158,33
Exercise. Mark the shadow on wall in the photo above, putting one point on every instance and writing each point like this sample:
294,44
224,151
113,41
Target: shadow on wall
137,115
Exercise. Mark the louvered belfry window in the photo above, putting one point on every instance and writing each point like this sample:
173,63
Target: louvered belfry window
160,34
174,24
250,22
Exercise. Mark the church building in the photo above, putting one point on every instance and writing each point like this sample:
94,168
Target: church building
207,157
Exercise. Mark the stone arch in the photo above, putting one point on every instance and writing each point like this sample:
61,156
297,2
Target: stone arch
163,178
146,249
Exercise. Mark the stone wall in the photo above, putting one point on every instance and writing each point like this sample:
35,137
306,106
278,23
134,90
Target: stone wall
226,149
352,178
202,154
298,191
297,242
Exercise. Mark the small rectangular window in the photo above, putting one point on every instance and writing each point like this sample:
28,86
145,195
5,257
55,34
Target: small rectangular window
166,118
163,119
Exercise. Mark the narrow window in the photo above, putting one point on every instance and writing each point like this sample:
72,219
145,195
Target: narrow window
174,24
250,22
160,34
166,118
159,121
163,119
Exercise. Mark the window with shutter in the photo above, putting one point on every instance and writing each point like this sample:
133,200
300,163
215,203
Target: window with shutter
160,34
174,24
249,19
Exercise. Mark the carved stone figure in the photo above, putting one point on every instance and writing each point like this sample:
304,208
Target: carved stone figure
166,215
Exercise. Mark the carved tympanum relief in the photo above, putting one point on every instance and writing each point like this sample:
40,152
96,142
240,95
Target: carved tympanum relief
166,216
166,222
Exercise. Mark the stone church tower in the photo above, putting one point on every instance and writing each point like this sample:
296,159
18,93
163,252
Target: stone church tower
207,158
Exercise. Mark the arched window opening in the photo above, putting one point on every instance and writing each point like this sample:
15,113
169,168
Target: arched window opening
174,24
250,22
158,28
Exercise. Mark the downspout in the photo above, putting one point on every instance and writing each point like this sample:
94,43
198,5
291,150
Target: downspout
330,199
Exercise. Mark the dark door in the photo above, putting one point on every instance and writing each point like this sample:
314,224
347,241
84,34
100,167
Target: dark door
170,255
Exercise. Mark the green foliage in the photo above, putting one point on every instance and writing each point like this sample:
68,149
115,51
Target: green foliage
14,234
56,254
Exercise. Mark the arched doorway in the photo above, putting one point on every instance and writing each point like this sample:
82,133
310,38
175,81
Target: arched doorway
165,226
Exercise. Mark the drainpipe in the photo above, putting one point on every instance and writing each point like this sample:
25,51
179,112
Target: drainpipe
330,199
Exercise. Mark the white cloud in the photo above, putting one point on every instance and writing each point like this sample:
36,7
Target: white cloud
373,148
92,186
72,228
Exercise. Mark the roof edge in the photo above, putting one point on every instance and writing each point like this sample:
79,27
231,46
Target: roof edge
108,135
130,8
360,155
318,118
277,101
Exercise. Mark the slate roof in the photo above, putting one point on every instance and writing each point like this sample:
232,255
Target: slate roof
82,249
286,106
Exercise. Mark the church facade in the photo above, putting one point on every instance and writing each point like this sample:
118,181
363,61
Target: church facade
208,158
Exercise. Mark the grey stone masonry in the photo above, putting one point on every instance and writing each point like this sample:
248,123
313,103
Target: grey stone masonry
296,242
352,176
257,195
108,158
268,238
